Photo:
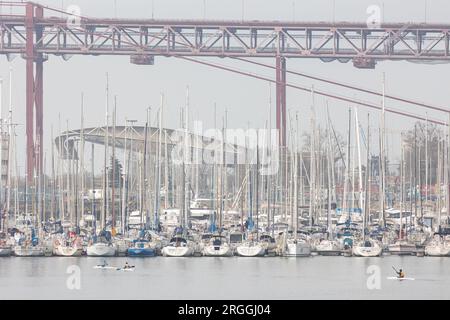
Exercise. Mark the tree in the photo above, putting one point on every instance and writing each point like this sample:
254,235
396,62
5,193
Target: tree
118,179
415,150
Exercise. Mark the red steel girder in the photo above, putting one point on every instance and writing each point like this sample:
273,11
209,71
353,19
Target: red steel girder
327,41
34,93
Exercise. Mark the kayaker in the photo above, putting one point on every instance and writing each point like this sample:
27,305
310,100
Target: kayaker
126,265
401,274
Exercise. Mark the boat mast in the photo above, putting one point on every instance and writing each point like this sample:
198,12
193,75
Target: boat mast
105,164
329,174
144,179
367,182
360,191
94,215
158,173
347,166
68,189
187,156
113,170
312,171
296,151
82,145
382,157
221,184
125,178
438,179
257,186
270,217
60,172
52,202
401,188
10,133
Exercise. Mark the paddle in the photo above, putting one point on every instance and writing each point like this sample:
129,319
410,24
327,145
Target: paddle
394,269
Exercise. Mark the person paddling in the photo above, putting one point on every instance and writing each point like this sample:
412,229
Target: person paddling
400,273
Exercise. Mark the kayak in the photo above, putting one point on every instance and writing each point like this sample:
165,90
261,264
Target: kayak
397,278
104,267
131,268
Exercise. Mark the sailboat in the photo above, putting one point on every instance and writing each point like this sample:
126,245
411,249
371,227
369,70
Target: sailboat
101,249
141,248
402,246
438,247
252,247
5,248
178,246
101,246
218,246
68,247
329,247
27,244
297,244
297,247
366,247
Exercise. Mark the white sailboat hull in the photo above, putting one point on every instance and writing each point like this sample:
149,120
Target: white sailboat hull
5,251
441,249
402,248
249,250
173,251
217,251
30,251
328,248
68,251
299,249
362,251
122,248
101,250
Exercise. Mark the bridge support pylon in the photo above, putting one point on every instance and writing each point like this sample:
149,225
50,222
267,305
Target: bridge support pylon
34,93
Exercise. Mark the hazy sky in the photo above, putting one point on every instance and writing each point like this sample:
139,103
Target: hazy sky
246,99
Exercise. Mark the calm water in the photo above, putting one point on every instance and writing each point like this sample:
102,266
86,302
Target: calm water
224,278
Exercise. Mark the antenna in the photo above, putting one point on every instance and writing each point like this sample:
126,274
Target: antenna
153,8
204,9
426,9
334,11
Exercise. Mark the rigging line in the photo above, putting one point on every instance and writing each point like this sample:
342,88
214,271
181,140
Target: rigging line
325,80
348,86
322,93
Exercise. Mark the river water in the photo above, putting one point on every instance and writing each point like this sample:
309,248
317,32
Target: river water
225,278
